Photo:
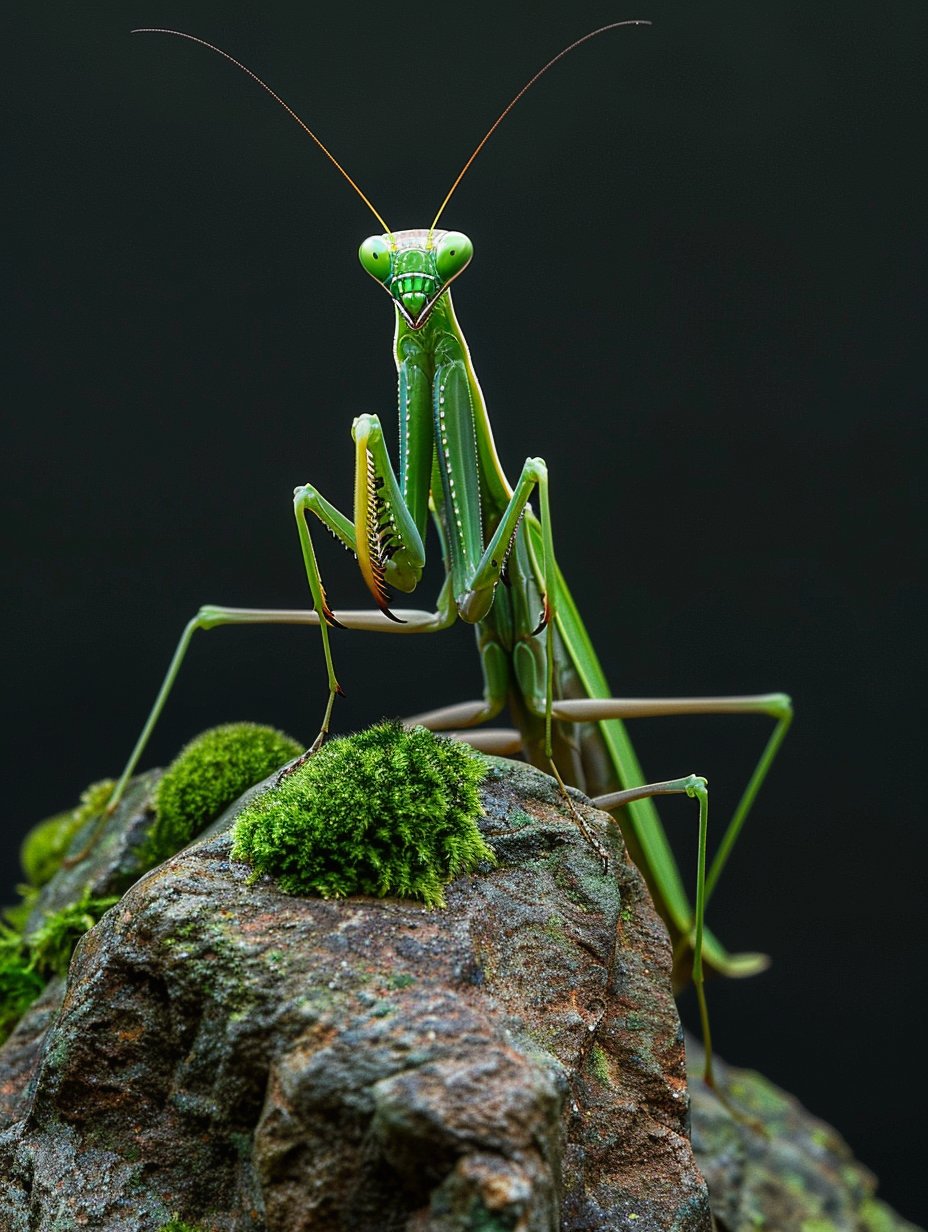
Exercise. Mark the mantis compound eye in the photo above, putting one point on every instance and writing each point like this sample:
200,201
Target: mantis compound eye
376,257
452,254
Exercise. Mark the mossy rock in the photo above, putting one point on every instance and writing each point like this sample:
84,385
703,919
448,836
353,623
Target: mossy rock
79,861
28,962
20,983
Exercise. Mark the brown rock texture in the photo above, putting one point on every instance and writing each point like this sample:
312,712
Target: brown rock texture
246,1061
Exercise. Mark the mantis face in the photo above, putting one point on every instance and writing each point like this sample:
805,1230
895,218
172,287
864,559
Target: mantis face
416,267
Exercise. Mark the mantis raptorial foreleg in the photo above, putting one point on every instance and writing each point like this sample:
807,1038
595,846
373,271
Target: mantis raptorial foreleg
376,492
306,499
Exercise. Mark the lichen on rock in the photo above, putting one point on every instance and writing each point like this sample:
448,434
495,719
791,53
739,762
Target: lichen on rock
773,1165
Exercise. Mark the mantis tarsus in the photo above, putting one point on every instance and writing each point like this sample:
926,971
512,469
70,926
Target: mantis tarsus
536,655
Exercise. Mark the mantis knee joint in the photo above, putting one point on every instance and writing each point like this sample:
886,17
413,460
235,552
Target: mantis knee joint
208,617
366,427
305,496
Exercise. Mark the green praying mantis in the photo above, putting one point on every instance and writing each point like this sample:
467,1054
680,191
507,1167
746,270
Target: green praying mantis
501,575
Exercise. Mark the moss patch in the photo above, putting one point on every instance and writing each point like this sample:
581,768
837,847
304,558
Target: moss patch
385,811
28,962
599,1066
17,915
20,984
52,943
401,980
875,1216
208,775
46,845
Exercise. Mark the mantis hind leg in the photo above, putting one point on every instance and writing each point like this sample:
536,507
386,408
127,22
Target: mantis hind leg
648,833
776,705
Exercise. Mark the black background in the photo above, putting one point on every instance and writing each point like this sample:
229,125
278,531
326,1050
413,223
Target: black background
698,292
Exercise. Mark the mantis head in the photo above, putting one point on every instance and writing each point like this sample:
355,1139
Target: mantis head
416,267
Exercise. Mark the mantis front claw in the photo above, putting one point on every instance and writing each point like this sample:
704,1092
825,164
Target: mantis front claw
543,619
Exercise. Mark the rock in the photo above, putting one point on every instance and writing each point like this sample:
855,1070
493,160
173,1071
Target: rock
19,1057
160,812
772,1165
242,1060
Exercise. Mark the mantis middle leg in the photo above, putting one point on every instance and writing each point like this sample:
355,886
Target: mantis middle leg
306,499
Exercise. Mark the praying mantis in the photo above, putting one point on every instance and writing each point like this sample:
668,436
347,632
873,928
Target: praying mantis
501,575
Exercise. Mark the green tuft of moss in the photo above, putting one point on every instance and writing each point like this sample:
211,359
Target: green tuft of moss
46,844
179,1225
876,1216
52,943
20,984
599,1066
27,962
385,811
208,775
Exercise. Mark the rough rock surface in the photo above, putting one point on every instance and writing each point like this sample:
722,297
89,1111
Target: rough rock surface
774,1166
115,862
244,1060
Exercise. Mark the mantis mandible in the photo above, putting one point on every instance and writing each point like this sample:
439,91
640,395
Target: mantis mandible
536,655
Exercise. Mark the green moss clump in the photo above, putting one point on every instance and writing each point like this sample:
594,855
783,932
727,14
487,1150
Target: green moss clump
385,811
208,775
178,1225
20,984
46,844
27,962
52,943
17,915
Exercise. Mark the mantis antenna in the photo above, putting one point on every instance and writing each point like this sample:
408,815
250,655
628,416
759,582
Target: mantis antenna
328,153
528,85
276,97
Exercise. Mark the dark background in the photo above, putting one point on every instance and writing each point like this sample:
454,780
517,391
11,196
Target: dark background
698,291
